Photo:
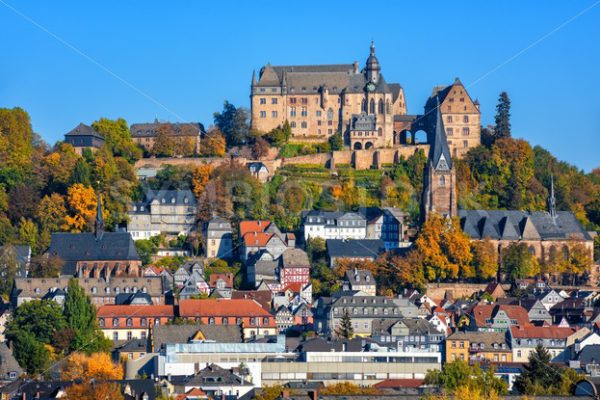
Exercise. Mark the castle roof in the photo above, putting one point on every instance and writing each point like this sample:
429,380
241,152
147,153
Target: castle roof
440,153
84,130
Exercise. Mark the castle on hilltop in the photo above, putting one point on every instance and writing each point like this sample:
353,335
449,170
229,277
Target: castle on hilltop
321,100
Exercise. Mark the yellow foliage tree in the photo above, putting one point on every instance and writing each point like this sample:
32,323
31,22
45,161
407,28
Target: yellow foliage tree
200,178
82,203
97,366
348,388
95,391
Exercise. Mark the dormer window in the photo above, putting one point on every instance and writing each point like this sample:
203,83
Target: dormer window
173,200
185,200
162,200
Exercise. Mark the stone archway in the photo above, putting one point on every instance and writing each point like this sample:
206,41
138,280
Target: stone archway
357,146
368,145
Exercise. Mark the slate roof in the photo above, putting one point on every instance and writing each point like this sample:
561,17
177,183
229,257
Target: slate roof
213,375
319,344
488,339
8,363
84,130
360,248
179,128
219,224
439,148
166,334
590,354
516,225
416,326
182,197
294,258
359,277
74,247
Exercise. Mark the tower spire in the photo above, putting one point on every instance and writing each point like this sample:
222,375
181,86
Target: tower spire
99,225
551,199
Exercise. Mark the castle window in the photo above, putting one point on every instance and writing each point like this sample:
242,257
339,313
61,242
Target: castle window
303,124
274,114
319,123
318,113
465,144
304,100
449,118
465,131
293,124
372,107
462,99
449,131
274,100
442,180
293,100
304,113
381,107
363,106
330,114
292,111
388,109
263,114
263,100
466,118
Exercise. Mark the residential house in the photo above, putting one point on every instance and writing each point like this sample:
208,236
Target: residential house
132,322
475,347
101,291
10,370
284,318
219,239
536,311
395,228
133,349
187,333
170,212
84,137
404,333
363,310
570,310
361,280
294,267
495,317
249,314
524,340
550,298
264,235
258,170
354,250
262,266
333,225
218,382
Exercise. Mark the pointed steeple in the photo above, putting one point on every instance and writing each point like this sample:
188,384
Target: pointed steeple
253,78
440,153
99,225
372,68
551,199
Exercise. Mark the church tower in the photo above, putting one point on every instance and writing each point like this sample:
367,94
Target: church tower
439,183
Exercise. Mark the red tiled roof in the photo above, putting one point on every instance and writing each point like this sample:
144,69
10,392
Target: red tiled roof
484,312
227,277
253,226
541,332
221,308
111,311
257,239
399,383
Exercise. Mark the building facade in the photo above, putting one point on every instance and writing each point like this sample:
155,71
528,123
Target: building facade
84,137
219,239
185,136
321,100
334,225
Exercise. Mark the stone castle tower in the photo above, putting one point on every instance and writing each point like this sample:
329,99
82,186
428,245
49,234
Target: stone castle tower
439,186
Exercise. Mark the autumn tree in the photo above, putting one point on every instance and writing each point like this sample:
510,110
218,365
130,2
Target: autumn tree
117,138
578,261
200,178
458,377
94,391
260,148
97,366
82,204
213,144
404,271
164,143
58,166
485,259
51,212
16,146
45,266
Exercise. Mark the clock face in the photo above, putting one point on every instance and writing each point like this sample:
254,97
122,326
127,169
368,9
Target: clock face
370,86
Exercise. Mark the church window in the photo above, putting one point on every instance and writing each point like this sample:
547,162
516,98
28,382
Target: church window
442,180
292,111
303,112
466,118
381,109
263,114
372,107
449,118
449,131
274,100
303,125
263,100
330,114
363,105
293,124
466,131
274,114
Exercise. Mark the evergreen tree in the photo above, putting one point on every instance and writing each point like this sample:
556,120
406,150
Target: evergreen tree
539,376
81,173
80,314
502,128
345,329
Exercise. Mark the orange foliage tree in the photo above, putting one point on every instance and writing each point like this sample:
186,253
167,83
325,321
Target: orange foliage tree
200,178
82,204
97,366
95,391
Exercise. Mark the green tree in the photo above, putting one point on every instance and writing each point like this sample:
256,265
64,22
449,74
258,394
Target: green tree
457,375
31,355
234,123
539,376
80,315
344,329
502,119
8,269
146,248
518,262
118,138
81,173
41,318
336,141
280,135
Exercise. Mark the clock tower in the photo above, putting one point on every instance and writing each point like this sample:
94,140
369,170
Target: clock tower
372,68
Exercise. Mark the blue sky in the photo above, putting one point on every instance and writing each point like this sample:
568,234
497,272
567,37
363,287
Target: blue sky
190,56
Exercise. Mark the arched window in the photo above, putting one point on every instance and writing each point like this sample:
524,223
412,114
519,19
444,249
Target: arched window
115,321
129,322
330,115
266,321
225,321
372,107
565,252
303,124
143,322
293,124
211,321
238,321
363,105
381,109
442,180
101,322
